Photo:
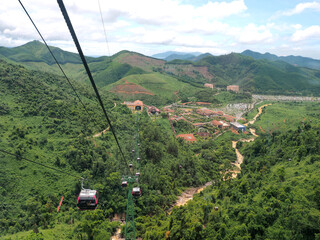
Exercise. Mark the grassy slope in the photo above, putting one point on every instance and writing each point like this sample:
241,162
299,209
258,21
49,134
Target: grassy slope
287,116
157,83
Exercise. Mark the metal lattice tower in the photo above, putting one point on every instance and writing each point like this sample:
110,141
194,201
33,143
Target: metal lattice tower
130,226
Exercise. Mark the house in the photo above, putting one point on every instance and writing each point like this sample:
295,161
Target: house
135,106
234,88
208,85
220,124
188,137
204,134
203,103
205,112
229,118
237,126
219,113
199,124
153,110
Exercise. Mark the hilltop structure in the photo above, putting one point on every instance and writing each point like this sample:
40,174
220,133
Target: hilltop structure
135,106
234,88
208,85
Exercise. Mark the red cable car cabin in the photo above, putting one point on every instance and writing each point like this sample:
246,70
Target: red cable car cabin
88,199
136,192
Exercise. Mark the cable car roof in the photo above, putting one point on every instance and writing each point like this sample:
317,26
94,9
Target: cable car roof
88,192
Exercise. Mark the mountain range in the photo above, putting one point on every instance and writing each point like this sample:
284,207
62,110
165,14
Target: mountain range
253,75
294,60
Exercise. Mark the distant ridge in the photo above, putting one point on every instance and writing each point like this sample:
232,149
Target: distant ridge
294,60
180,55
36,51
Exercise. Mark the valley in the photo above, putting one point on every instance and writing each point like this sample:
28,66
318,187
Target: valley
215,163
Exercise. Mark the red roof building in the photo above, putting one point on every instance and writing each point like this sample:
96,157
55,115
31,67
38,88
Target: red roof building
205,112
229,118
220,124
188,137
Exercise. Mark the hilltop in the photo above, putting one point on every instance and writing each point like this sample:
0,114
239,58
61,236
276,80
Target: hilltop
294,60
252,75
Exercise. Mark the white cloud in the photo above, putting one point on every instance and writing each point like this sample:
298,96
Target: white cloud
299,8
253,34
306,34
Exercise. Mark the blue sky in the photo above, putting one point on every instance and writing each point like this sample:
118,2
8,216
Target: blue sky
282,27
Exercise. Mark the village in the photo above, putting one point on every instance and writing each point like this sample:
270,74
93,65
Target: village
206,121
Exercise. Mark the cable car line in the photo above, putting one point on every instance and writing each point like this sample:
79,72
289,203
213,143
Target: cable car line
75,39
41,164
55,59
104,29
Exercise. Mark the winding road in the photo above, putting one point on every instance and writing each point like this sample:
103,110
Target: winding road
188,194
239,161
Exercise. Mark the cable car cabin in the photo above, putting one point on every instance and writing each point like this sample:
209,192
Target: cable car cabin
138,159
136,192
124,183
130,165
138,174
88,199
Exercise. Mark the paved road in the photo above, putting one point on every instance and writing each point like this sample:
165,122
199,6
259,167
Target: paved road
285,98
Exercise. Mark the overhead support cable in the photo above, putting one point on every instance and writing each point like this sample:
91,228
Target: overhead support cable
84,61
41,164
55,59
104,29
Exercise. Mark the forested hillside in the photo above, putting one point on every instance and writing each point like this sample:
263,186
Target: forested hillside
42,120
262,76
276,196
254,76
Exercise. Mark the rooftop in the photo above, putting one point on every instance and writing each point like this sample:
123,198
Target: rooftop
188,137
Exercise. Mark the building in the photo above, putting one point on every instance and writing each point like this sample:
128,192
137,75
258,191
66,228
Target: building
204,134
220,124
234,88
229,118
205,112
203,103
199,124
208,85
153,110
135,106
237,126
188,137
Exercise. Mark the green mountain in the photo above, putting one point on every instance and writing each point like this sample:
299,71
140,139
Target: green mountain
294,60
262,76
254,76
36,51
42,120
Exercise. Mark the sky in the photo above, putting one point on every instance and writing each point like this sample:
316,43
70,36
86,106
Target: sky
281,27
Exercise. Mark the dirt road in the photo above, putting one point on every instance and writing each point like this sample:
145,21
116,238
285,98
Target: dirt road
188,195
99,134
234,143
117,235
258,114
